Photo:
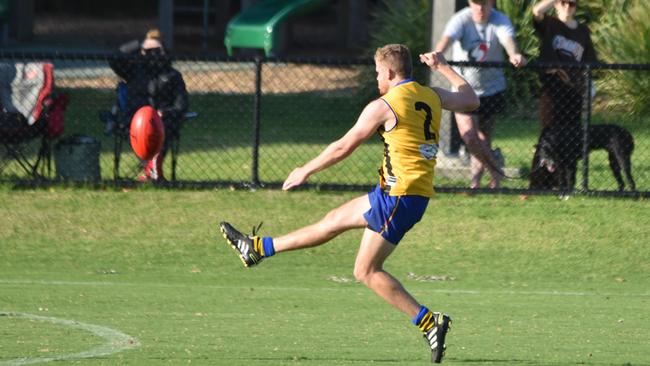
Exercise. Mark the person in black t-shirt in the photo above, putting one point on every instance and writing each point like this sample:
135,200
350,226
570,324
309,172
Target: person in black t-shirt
562,39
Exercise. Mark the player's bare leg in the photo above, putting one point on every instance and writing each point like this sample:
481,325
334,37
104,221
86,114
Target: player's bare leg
252,249
368,269
345,217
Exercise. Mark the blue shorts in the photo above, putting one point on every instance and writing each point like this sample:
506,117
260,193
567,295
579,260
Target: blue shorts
393,216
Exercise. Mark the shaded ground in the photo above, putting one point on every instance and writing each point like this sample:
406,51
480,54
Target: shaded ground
289,79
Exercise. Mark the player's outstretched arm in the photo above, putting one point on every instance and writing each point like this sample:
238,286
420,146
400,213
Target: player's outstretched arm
464,99
373,116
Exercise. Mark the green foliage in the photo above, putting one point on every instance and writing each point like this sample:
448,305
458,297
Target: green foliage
406,22
520,13
623,36
590,12
522,85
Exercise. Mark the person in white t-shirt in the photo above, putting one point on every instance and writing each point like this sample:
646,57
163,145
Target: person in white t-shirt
480,33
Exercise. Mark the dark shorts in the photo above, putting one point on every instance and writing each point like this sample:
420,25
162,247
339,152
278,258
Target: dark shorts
393,216
490,106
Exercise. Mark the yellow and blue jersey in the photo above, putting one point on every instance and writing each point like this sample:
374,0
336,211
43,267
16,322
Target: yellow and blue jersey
410,147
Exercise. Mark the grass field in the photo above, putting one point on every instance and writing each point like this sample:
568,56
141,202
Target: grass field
141,277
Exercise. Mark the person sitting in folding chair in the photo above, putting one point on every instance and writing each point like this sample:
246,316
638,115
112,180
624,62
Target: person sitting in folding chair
149,79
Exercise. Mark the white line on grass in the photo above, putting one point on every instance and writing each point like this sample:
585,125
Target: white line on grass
343,287
115,341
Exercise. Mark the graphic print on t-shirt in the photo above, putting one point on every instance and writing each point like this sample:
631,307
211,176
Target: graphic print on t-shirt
567,49
479,53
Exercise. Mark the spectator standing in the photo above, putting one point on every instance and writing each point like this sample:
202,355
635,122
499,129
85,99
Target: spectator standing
562,39
478,34
151,80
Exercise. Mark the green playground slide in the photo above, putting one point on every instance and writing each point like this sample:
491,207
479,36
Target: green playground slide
259,26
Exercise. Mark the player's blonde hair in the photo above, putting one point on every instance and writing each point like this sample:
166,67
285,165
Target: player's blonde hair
397,57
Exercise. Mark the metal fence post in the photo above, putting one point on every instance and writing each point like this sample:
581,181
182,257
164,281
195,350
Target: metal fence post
585,133
255,179
441,11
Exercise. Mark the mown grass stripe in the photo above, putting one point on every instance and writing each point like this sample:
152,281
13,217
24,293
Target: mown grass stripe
342,288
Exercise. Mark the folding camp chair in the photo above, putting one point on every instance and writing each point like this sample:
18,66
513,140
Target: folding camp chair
31,111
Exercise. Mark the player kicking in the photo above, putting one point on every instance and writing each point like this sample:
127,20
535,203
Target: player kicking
407,117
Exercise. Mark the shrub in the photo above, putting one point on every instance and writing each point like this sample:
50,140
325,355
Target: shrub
406,22
622,35
520,13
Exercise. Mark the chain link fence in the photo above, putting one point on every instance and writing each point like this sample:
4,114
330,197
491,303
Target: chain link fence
256,119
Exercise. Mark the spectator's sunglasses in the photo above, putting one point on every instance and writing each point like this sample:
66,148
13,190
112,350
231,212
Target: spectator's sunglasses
157,51
571,4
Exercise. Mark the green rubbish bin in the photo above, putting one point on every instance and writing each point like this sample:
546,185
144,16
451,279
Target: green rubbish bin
77,159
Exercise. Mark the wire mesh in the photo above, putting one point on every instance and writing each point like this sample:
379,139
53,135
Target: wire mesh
554,127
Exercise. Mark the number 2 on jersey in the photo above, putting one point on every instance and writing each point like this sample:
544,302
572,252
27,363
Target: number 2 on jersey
428,135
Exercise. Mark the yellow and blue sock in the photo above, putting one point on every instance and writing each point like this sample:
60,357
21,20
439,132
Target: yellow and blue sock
424,320
264,246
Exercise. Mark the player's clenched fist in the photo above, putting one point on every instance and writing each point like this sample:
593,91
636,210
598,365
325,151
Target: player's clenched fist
433,59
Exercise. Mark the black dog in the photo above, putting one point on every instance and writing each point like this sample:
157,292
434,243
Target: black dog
556,158
555,161
619,144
